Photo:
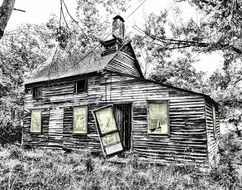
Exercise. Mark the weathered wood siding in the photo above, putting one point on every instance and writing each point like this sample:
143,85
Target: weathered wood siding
213,139
55,132
187,140
40,140
123,63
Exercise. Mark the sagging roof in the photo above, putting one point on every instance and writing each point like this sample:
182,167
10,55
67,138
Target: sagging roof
91,62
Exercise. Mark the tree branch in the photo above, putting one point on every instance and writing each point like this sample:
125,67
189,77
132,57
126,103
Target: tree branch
190,43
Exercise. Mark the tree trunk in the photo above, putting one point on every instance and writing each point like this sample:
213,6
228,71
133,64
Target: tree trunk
6,10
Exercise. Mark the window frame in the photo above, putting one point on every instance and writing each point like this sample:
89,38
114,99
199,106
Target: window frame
34,93
109,132
73,121
85,86
168,117
41,122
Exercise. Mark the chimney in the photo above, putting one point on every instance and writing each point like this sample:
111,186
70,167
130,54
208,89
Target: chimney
118,27
111,46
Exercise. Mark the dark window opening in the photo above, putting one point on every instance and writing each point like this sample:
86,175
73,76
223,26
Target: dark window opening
37,92
80,86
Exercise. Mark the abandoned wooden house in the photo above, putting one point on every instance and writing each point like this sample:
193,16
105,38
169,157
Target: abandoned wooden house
104,105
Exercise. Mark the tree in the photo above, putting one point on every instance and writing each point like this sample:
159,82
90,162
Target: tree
219,29
6,10
20,54
28,48
161,65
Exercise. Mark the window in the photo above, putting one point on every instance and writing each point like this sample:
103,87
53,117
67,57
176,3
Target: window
37,92
80,120
158,121
214,120
80,86
106,120
111,139
35,121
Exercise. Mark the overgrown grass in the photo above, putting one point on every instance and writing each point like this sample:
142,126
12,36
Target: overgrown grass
48,169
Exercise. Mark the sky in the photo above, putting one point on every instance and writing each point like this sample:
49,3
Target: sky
39,11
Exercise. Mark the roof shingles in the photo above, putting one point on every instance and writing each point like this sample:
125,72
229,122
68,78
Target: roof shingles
91,62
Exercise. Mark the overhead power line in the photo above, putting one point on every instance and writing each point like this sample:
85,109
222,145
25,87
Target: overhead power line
108,34
135,9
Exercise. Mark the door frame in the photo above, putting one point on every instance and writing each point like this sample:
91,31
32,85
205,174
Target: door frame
131,122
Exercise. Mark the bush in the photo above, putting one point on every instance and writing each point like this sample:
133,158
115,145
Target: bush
15,152
226,172
10,133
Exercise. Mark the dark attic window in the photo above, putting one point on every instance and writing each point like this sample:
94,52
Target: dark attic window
80,86
37,93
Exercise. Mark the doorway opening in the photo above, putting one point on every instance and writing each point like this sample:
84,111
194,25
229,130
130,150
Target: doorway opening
123,114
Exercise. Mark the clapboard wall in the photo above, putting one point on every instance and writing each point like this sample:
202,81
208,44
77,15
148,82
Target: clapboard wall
187,112
125,62
187,140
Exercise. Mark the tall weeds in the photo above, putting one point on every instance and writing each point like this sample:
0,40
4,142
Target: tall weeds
48,169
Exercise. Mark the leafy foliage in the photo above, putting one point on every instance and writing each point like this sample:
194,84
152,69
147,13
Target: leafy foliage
21,53
226,172
219,29
30,47
165,66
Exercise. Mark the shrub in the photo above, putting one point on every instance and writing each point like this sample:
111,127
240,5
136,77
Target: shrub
10,133
15,152
226,173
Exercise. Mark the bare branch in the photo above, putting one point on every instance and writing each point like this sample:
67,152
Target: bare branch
178,44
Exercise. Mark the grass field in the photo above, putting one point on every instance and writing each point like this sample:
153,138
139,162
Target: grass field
48,169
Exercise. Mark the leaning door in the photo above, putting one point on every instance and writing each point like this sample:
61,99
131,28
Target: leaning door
108,130
55,132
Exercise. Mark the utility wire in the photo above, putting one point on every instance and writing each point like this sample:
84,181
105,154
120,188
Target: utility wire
135,9
108,34
67,10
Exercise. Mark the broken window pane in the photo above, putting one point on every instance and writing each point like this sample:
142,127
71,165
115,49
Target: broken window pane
106,120
35,121
80,119
111,139
158,118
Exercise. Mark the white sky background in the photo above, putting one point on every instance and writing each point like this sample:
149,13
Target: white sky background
39,11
